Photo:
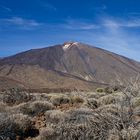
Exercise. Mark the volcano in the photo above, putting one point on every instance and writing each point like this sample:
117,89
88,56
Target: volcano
71,65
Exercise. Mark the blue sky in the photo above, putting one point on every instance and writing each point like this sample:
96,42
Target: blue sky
110,24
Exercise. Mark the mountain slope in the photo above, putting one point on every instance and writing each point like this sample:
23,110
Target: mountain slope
70,65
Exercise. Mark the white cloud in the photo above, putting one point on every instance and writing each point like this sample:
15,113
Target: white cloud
130,23
79,25
113,24
19,22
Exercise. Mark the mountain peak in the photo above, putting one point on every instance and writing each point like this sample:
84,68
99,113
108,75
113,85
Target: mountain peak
69,44
67,65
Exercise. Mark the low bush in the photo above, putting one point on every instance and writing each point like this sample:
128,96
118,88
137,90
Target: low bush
81,115
76,99
36,108
108,99
55,116
110,109
15,96
23,121
59,99
15,125
48,133
7,127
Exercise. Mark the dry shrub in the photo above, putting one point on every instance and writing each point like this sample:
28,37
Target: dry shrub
96,95
47,133
124,134
112,89
76,99
7,127
111,108
12,126
59,99
130,134
75,132
135,102
15,96
91,103
108,99
114,134
83,123
75,126
81,115
36,108
23,121
55,116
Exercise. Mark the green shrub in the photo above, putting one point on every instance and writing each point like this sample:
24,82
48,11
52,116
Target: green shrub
100,90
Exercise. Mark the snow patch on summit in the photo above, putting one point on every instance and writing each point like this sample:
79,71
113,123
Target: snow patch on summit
68,45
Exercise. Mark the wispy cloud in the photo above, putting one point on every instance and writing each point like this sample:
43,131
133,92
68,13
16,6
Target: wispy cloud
73,24
5,8
47,5
113,24
20,22
130,23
